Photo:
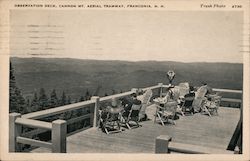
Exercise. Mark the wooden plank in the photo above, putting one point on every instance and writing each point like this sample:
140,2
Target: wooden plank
231,100
76,119
29,134
34,123
79,130
194,149
57,110
33,142
227,90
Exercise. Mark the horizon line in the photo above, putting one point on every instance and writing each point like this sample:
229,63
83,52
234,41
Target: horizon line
26,57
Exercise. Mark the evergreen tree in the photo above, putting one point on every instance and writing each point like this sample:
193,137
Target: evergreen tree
43,99
20,102
27,109
16,100
113,92
53,99
68,100
35,104
81,99
87,95
63,100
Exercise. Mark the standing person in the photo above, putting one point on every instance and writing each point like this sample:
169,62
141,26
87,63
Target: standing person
170,75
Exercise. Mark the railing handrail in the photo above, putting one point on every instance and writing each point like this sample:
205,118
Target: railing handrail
34,123
164,144
57,110
195,149
227,90
106,98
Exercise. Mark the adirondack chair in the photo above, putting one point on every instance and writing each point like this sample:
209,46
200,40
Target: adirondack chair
133,116
166,113
200,99
145,101
184,89
109,122
212,104
187,105
110,118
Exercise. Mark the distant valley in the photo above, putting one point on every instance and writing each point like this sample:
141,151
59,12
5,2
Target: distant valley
75,76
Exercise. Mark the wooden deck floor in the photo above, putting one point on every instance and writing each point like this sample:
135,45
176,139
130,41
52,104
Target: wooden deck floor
198,129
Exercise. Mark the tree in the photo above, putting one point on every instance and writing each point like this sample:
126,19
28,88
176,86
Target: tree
43,99
68,100
27,106
63,100
16,100
113,92
81,99
35,104
53,99
87,95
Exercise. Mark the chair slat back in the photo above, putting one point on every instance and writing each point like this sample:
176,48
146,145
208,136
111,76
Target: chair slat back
147,96
135,110
201,92
171,107
176,93
184,89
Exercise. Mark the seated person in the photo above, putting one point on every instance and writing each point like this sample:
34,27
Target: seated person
209,89
191,92
171,95
133,100
115,106
189,99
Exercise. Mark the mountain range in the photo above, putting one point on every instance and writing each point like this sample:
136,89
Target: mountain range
76,76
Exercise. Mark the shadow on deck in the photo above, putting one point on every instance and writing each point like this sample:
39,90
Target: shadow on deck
214,132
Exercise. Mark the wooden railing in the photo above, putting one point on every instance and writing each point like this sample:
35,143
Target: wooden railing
229,91
164,144
58,128
58,134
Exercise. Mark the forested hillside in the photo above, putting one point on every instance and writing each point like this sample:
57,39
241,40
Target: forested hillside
76,77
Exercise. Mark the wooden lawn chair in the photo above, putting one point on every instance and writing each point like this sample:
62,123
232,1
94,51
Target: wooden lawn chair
166,113
133,116
145,103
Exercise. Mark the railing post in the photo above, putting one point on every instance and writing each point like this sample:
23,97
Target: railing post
95,110
59,131
161,144
14,131
160,89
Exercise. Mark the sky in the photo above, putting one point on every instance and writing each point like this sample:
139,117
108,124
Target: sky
133,35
